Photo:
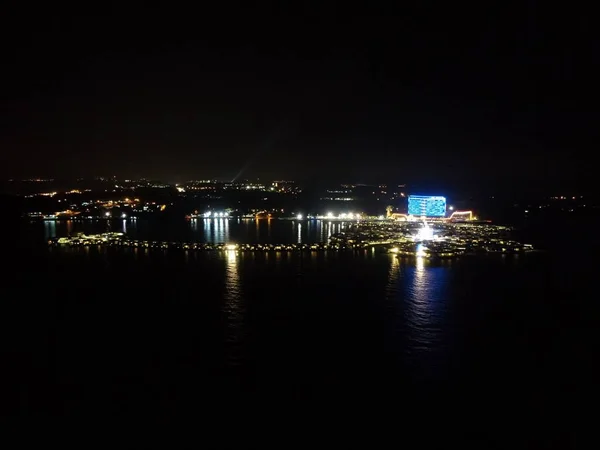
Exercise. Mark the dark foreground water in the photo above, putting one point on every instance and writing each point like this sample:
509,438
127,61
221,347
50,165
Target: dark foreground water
154,334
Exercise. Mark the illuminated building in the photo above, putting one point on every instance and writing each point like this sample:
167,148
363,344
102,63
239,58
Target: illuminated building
426,206
458,216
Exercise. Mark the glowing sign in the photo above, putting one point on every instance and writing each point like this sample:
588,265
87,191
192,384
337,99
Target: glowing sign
425,205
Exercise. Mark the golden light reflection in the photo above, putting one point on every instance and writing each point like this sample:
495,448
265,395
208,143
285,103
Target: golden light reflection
279,258
420,267
425,303
233,307
420,286
231,276
393,275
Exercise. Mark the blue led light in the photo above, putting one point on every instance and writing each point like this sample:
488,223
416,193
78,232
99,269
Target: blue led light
426,205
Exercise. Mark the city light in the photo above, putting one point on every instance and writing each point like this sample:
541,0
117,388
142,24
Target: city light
107,214
425,233
426,205
124,216
299,217
231,247
330,215
462,215
215,214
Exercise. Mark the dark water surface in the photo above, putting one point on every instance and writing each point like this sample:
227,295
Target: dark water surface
153,333
203,230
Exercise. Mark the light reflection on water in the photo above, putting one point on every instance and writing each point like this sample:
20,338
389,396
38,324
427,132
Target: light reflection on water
213,230
404,306
393,275
233,309
425,286
49,229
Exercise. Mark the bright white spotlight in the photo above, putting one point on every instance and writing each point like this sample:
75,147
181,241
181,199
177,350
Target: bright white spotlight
425,233
124,216
299,217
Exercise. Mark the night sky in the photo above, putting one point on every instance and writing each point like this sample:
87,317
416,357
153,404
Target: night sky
503,95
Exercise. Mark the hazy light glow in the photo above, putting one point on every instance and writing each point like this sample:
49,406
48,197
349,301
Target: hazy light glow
425,233
299,217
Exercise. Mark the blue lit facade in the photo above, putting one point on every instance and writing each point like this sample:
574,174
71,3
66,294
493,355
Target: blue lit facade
426,205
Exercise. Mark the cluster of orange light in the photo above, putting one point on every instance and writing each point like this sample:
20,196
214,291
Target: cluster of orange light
462,214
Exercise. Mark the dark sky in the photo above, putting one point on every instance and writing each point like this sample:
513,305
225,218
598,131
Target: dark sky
491,94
